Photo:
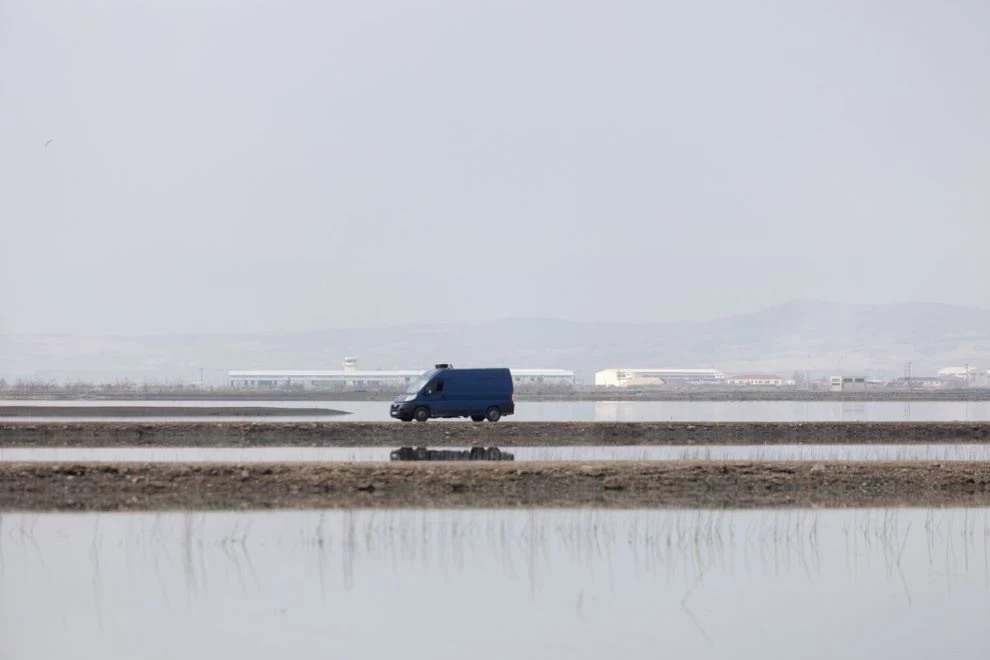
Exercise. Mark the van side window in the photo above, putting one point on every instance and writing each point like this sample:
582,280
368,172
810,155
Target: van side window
439,386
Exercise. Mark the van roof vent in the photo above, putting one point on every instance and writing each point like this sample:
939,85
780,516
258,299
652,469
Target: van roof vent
444,366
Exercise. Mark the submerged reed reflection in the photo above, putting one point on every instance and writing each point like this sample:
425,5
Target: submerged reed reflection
695,576
681,544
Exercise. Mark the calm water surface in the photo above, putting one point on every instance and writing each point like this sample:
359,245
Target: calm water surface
609,411
939,452
588,584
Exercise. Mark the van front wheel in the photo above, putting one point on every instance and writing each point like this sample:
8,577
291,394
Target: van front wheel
493,414
421,414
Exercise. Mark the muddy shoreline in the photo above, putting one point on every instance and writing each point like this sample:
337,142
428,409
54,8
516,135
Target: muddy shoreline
466,434
163,411
158,487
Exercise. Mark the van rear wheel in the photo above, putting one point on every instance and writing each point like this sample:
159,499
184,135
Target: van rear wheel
422,414
493,414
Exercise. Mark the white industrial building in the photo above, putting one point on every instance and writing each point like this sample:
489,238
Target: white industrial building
352,377
847,383
971,376
542,376
321,378
642,377
755,380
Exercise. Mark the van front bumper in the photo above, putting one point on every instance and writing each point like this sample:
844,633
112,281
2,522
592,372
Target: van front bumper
400,410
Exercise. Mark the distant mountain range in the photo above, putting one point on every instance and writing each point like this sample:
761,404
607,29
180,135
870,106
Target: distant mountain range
814,336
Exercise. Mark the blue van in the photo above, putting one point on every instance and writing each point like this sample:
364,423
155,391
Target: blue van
447,392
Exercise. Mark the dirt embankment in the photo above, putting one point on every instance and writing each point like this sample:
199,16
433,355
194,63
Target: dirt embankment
156,486
162,411
462,434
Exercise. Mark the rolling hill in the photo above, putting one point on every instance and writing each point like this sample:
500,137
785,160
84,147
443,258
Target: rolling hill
796,336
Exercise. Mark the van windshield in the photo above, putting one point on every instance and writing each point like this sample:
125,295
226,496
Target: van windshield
417,385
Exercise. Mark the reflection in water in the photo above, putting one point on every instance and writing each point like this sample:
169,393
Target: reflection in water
764,411
605,411
908,452
585,583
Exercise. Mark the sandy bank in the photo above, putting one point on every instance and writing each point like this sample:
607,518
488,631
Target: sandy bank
502,434
146,486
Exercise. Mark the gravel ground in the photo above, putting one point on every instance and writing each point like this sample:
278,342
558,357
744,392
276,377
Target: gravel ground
156,486
502,434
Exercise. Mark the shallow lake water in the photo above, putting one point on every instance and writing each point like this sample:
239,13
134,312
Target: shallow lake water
602,411
927,452
828,583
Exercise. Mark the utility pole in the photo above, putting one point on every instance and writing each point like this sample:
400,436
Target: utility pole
907,374
201,377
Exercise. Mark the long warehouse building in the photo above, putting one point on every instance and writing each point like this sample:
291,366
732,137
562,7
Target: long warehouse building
643,377
351,377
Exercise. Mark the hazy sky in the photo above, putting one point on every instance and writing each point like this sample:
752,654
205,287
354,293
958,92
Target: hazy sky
224,166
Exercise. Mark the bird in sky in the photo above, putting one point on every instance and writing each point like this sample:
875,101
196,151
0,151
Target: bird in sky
49,141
